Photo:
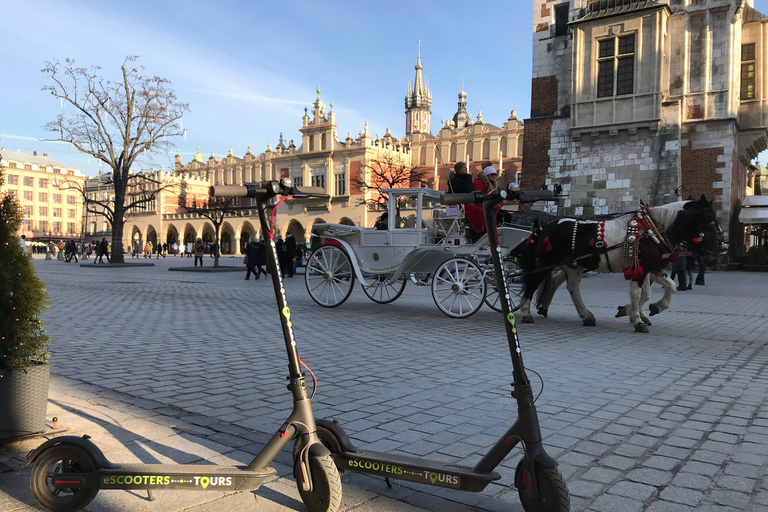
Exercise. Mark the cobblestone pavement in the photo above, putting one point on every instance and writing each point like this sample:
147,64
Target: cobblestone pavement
673,420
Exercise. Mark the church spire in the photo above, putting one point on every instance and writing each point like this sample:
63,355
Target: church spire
418,101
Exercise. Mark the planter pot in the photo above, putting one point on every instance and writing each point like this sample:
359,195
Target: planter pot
23,400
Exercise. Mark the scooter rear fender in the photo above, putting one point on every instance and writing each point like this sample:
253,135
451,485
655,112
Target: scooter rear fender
83,442
344,441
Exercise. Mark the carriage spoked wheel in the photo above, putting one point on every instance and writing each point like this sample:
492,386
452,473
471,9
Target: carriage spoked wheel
382,291
513,273
458,287
329,276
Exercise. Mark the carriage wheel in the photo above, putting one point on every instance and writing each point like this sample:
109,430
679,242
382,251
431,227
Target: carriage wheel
329,276
513,273
382,291
458,287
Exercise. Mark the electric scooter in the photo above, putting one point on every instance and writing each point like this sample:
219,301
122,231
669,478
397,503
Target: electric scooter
69,471
540,485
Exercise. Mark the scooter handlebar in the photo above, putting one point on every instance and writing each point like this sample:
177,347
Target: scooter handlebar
233,190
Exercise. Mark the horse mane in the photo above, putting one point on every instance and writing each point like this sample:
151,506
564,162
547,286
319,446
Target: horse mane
667,213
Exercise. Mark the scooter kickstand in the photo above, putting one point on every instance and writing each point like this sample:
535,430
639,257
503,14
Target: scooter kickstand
389,484
151,496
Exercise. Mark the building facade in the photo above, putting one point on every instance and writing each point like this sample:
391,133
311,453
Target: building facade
645,100
48,192
321,159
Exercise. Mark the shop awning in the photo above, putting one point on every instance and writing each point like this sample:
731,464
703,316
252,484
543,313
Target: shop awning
754,210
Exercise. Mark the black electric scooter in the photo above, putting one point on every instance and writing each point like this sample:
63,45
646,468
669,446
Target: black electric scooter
540,485
69,471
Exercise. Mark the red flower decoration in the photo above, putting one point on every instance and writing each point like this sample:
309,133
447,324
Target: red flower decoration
549,247
546,240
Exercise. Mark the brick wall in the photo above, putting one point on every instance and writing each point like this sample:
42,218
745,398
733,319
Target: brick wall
543,97
355,177
536,141
698,174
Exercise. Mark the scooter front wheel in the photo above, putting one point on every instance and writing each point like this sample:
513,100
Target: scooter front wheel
325,495
67,459
553,493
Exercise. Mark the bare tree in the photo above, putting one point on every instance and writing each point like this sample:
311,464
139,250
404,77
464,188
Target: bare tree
387,170
115,122
215,209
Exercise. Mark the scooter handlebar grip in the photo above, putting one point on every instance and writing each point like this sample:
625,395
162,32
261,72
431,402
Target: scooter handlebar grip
463,198
233,190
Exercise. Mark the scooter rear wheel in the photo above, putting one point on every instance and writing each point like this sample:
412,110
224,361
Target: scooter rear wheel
63,458
325,495
553,493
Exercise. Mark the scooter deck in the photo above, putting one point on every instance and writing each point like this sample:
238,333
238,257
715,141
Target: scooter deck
189,477
414,469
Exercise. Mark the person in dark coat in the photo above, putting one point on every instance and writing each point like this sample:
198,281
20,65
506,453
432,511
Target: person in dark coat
261,258
461,181
282,255
290,246
252,253
104,246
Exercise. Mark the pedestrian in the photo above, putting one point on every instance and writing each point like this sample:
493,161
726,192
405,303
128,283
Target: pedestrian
104,246
689,262
23,244
702,271
159,250
165,249
175,248
251,260
299,257
199,249
261,258
282,255
214,250
681,270
290,253
189,249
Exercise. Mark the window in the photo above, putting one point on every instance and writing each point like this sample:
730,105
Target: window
561,20
27,195
13,192
323,142
56,171
13,179
70,213
28,211
28,167
748,71
70,173
503,144
42,211
91,228
57,212
56,227
486,148
453,152
42,225
26,225
341,184
42,168
42,197
311,142
70,227
42,183
318,180
70,199
57,198
616,66
470,151
423,156
28,181
298,181
12,165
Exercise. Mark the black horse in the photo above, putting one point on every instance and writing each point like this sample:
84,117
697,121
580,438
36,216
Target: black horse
640,245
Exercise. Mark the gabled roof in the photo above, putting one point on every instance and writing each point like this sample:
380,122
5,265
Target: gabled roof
752,15
607,8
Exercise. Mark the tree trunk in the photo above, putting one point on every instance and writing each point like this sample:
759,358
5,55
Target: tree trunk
118,254
216,251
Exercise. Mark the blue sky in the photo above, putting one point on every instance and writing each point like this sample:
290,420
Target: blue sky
248,68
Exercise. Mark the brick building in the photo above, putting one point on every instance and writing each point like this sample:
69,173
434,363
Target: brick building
647,100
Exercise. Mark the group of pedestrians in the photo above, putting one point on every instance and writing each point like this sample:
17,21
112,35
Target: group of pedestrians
683,269
289,256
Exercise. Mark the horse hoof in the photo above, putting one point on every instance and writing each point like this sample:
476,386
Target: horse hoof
654,309
645,320
589,321
640,327
527,319
622,311
542,312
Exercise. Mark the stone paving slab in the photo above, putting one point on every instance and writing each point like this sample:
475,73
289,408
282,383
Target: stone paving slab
672,418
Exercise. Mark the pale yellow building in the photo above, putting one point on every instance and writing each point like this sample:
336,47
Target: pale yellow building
53,208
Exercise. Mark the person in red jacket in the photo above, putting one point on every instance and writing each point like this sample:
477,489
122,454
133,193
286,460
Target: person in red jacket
486,180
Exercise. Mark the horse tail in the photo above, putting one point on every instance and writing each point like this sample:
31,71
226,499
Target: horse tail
545,289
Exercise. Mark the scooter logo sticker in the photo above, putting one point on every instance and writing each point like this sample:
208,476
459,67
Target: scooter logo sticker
433,477
287,315
204,482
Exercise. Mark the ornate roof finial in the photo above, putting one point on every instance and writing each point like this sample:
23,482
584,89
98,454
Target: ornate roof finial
318,91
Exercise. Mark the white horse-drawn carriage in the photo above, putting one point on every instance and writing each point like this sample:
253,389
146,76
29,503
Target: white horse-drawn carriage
423,242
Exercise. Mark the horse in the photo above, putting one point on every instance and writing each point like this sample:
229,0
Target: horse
640,245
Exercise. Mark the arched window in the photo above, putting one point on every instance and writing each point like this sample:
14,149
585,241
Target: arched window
453,151
423,156
322,142
311,142
503,143
470,151
486,149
